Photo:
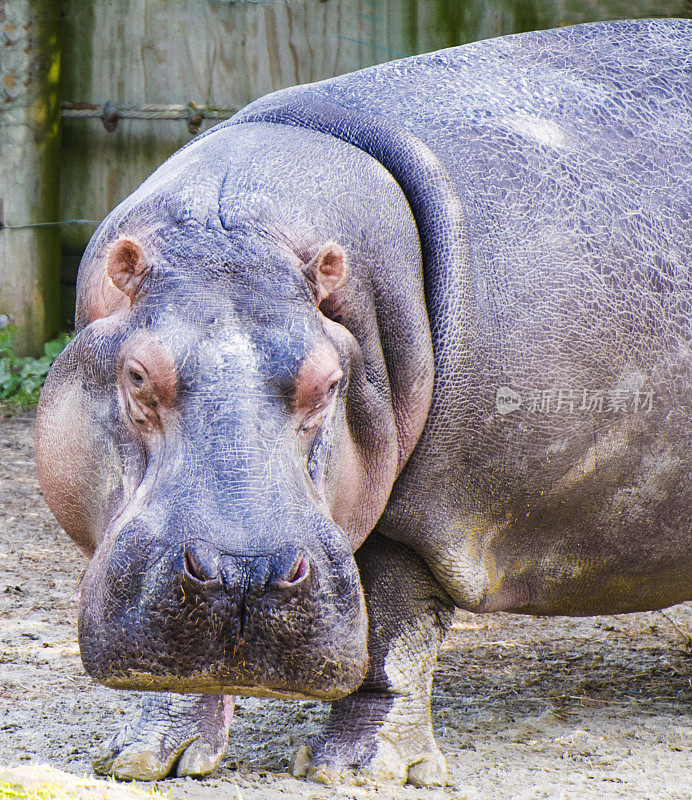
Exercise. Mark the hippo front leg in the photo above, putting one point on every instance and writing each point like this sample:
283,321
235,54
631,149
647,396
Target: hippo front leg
173,734
384,730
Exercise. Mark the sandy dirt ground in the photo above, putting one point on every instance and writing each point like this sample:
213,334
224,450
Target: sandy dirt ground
524,708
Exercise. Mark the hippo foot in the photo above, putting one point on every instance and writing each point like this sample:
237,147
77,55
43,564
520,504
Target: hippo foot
373,739
173,735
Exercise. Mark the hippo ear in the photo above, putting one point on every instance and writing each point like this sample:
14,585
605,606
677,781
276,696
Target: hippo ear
127,266
114,289
326,271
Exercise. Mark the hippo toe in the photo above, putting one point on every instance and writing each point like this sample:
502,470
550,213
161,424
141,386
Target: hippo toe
173,735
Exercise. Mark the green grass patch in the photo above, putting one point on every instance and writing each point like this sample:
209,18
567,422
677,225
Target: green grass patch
8,792
41,782
21,378
51,792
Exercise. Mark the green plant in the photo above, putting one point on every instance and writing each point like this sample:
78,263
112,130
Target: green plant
21,379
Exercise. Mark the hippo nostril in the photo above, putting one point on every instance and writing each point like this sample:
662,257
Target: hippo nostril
300,570
297,575
202,570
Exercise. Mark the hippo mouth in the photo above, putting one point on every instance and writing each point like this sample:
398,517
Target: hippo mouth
263,668
257,669
204,683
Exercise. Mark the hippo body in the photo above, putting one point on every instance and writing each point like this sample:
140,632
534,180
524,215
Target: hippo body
411,338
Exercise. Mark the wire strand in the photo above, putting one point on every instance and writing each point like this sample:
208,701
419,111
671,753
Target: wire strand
4,227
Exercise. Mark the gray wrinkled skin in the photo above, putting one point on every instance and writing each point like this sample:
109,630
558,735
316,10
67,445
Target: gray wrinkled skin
542,181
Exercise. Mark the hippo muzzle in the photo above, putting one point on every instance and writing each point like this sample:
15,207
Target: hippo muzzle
195,617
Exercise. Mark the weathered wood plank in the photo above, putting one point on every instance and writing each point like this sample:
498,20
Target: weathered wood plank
29,169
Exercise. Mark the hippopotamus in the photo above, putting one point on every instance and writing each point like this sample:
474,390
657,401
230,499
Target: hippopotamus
409,339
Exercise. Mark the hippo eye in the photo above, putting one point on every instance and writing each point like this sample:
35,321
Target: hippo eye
335,379
136,377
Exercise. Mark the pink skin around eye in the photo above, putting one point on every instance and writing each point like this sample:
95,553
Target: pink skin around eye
148,360
317,379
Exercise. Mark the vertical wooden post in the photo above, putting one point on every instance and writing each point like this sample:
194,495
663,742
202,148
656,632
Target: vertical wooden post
29,169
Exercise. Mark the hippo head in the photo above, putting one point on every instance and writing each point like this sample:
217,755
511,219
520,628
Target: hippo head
211,438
